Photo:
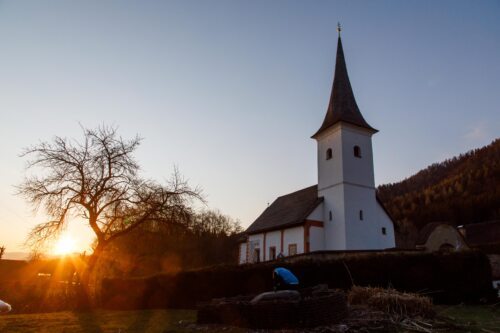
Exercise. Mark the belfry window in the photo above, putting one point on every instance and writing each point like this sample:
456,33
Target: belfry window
357,151
361,215
384,231
330,215
329,154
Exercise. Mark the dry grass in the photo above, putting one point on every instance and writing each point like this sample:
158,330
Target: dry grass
402,304
396,304
360,295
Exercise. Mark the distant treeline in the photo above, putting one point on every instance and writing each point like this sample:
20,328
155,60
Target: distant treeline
460,190
202,239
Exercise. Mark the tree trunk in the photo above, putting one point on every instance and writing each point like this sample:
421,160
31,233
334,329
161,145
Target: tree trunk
87,289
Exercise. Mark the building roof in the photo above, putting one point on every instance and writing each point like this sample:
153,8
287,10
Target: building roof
428,229
291,210
477,234
381,204
287,211
342,106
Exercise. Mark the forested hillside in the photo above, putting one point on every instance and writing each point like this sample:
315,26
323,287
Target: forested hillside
460,190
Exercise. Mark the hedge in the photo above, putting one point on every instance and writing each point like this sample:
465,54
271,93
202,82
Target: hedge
446,277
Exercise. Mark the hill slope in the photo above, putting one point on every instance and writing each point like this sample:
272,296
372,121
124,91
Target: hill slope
460,190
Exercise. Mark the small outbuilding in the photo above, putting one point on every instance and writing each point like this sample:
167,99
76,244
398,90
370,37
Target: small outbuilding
440,236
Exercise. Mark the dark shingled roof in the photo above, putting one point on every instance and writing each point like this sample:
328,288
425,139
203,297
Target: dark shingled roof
342,106
287,211
482,233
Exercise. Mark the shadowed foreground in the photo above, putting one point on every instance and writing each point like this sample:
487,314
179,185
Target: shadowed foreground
484,318
98,321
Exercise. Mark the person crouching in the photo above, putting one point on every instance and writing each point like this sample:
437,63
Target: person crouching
284,279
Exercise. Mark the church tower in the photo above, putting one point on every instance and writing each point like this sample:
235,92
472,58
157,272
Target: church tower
353,218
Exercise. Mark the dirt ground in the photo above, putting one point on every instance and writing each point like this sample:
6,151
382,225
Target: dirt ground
484,319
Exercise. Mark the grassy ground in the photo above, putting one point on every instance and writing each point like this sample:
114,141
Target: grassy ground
99,321
468,319
473,318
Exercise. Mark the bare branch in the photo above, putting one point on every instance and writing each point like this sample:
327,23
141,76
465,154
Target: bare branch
97,178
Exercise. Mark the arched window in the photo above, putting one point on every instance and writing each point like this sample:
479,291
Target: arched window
329,154
361,215
357,151
330,215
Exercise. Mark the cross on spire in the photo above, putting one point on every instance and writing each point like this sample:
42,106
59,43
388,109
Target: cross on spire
339,28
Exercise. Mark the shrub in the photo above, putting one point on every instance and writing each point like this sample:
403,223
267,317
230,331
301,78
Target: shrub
447,278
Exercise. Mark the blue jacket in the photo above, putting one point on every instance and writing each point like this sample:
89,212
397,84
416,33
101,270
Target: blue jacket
287,276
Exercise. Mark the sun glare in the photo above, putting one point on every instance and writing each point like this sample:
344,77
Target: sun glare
65,245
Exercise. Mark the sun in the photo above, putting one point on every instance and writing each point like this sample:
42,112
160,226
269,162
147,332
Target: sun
65,245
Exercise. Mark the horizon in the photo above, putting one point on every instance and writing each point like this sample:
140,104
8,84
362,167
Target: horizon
231,92
23,255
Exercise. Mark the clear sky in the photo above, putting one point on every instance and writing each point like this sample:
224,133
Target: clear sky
231,91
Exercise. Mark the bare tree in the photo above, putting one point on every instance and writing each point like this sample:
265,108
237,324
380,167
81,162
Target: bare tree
2,251
214,223
97,179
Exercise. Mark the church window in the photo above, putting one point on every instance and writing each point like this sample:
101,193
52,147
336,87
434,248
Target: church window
357,151
330,215
256,255
384,231
329,154
292,249
272,252
361,215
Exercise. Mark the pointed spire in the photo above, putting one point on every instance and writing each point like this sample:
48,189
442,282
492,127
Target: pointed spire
342,106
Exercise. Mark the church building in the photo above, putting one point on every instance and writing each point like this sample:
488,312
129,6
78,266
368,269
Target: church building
342,212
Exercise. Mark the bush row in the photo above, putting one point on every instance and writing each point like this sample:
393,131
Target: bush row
446,277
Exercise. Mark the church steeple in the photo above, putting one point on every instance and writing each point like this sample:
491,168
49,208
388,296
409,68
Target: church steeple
342,106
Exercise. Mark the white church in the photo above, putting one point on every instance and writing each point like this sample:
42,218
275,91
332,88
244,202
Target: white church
342,212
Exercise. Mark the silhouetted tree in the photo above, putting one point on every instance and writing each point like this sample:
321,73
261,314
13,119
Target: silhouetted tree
97,179
2,251
207,238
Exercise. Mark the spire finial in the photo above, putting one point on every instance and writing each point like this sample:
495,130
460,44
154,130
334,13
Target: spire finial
339,28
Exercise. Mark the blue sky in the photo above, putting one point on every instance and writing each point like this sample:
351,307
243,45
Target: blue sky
231,91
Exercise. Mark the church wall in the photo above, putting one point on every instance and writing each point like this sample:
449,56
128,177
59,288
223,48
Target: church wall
255,241
316,239
293,236
242,253
334,230
273,238
366,233
385,221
